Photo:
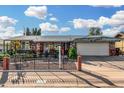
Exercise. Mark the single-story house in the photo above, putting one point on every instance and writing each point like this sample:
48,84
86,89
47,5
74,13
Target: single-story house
39,43
86,46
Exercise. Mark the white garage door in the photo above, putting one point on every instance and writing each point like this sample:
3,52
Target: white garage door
93,49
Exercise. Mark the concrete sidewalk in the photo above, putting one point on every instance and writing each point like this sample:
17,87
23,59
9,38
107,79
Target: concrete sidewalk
83,79
111,70
96,73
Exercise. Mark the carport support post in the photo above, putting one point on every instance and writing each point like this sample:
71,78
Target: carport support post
79,63
60,61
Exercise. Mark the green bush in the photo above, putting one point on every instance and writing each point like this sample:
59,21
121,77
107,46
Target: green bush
12,53
72,53
3,54
6,55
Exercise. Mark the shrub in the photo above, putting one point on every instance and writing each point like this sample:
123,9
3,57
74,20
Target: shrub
6,55
3,55
72,53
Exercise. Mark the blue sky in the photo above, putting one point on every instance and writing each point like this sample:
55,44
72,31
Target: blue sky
61,20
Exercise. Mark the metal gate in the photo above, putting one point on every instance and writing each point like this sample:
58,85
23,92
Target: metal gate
41,63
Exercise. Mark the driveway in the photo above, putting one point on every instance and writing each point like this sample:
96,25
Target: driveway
97,72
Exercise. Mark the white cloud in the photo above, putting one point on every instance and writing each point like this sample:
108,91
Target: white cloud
6,21
7,27
8,32
103,20
118,15
39,12
115,23
111,32
53,19
115,20
85,23
48,27
65,29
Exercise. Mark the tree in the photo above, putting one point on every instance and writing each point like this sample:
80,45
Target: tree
94,31
33,32
36,32
39,32
28,33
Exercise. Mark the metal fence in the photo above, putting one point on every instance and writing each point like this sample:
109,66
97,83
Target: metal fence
20,62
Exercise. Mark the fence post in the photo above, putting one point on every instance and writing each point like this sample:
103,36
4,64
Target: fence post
60,61
79,63
6,63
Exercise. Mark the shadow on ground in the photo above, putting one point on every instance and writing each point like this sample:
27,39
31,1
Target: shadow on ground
103,79
116,66
4,78
85,80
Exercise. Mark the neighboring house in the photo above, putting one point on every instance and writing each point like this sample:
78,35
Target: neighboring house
95,45
120,44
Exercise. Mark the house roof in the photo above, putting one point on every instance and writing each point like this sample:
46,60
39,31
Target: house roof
47,38
96,39
76,38
120,35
